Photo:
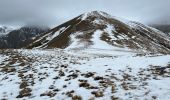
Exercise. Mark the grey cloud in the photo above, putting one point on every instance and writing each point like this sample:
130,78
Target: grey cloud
54,12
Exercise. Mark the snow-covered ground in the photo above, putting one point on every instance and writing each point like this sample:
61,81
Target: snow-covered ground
82,75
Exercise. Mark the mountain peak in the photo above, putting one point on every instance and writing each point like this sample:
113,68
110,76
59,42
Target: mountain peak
97,29
97,14
5,30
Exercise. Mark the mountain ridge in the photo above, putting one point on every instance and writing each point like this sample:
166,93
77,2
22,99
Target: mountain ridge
114,32
18,38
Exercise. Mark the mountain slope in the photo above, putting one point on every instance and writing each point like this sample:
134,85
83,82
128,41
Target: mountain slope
102,31
163,28
20,37
5,30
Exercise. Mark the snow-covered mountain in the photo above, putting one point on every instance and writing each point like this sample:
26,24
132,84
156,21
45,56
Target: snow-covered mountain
100,30
18,38
4,30
103,58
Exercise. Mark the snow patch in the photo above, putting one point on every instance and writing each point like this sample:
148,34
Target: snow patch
98,43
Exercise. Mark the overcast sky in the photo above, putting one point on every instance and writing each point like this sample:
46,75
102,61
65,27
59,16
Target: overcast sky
55,12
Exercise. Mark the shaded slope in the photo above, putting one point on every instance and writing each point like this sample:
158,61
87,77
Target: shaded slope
20,37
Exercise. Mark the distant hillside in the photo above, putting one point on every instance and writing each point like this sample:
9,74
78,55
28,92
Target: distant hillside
21,37
163,28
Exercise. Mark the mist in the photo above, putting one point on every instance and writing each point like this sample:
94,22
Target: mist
55,12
